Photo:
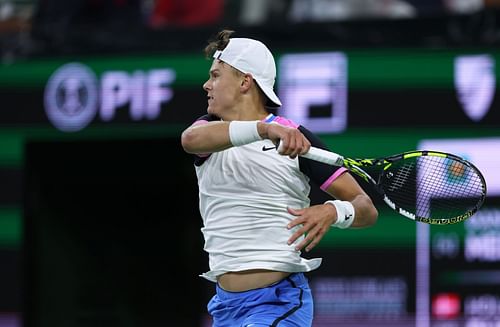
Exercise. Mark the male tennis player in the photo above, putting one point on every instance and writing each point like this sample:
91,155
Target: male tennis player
254,200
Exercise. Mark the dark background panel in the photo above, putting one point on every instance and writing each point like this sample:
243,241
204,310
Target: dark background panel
404,108
11,186
430,107
10,280
112,235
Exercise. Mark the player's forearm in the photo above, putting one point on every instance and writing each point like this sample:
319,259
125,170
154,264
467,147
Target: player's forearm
217,136
366,213
346,188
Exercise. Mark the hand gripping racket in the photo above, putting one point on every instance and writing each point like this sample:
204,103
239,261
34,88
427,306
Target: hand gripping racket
427,186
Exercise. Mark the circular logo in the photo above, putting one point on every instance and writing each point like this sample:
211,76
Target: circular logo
71,97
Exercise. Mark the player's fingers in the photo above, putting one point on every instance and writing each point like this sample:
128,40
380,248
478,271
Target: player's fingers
311,245
301,231
295,212
306,146
315,241
292,144
295,222
283,146
302,144
292,147
308,239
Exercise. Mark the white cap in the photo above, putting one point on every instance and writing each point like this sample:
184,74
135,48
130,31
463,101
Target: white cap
252,57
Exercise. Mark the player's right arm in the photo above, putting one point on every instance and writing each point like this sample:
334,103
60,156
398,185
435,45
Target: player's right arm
208,136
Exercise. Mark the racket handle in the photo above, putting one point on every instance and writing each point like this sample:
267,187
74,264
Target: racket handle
324,156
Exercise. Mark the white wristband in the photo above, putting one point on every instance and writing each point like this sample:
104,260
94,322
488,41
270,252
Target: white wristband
243,132
345,213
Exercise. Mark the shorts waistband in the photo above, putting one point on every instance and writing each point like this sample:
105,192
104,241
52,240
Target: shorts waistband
295,279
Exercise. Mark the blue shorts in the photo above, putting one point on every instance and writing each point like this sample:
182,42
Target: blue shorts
285,304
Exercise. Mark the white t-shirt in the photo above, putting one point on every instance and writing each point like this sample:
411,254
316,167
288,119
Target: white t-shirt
244,194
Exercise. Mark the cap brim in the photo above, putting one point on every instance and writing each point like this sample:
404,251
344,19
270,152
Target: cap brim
273,100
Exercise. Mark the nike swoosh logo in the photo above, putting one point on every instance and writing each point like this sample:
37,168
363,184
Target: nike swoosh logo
264,148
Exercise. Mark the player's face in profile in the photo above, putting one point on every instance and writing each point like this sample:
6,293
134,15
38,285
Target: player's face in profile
222,88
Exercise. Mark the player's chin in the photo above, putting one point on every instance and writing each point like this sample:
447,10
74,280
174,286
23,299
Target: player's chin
211,110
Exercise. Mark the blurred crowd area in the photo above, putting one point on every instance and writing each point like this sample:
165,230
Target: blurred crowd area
43,27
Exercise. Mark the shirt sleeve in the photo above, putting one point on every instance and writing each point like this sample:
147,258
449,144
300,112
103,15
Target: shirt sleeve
320,173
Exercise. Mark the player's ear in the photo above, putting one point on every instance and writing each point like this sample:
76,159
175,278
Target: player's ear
246,82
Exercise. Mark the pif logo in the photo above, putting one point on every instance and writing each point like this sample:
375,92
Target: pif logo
71,97
74,95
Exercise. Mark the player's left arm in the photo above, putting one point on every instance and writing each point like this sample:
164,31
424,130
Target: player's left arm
316,220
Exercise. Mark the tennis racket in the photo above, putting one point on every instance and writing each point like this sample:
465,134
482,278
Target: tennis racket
427,186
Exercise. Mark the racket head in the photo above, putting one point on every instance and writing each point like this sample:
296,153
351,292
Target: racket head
432,187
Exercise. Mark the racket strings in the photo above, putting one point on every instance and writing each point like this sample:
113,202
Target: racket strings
434,187
402,176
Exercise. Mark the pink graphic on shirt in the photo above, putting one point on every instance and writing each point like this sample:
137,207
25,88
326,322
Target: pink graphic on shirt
200,122
330,180
285,122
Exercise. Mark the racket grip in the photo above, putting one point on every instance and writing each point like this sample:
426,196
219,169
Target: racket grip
324,156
